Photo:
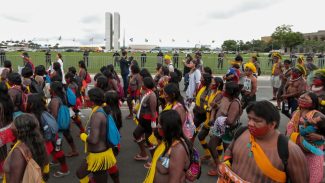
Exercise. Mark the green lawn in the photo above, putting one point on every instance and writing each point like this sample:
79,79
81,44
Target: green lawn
97,60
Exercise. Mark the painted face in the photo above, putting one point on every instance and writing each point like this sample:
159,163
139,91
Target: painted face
257,126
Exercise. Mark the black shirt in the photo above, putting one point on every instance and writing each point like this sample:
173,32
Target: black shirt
124,66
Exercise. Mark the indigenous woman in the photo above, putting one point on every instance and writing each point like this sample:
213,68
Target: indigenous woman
134,88
146,117
200,103
307,129
213,101
100,157
30,144
171,156
226,123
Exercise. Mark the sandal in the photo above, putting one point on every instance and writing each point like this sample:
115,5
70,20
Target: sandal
147,165
213,172
72,154
138,157
61,174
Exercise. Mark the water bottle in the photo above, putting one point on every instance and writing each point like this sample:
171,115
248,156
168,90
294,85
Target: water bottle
58,144
286,106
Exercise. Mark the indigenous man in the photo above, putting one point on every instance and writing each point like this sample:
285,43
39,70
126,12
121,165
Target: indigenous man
294,87
254,155
100,155
284,78
250,85
276,71
318,88
169,63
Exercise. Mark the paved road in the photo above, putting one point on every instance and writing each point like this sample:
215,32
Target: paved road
132,171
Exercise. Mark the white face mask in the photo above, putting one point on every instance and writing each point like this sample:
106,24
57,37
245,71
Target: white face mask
316,89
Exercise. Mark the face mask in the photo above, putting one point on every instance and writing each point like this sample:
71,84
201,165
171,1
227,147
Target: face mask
316,89
213,87
143,88
317,82
258,132
304,104
161,132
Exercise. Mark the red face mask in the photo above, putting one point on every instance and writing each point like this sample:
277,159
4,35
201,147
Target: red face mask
161,132
213,87
258,132
304,104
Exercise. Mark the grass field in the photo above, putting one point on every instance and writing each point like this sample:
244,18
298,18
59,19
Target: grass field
97,60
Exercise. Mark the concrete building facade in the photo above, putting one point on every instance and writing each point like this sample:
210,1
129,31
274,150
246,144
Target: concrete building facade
116,32
108,30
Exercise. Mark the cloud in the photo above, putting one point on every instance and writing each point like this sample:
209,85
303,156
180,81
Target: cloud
91,19
243,7
14,19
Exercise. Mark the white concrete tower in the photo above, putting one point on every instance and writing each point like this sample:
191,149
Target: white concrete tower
108,30
116,32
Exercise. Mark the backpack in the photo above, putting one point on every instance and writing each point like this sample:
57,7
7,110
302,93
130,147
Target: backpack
72,98
32,173
63,118
34,87
179,74
88,78
194,170
23,100
112,134
282,145
49,125
188,126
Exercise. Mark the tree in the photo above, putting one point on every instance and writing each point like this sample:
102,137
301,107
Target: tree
293,39
229,45
280,34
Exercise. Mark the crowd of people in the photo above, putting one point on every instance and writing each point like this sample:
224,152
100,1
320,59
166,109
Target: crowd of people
38,104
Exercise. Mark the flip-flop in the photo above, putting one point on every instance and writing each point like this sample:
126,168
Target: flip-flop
147,165
213,172
59,174
138,157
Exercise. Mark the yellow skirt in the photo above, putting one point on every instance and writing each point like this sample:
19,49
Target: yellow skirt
101,161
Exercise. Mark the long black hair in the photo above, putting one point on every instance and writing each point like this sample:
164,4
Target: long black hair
145,73
102,83
57,68
113,108
82,65
171,124
173,91
58,88
7,106
28,132
96,95
219,81
36,104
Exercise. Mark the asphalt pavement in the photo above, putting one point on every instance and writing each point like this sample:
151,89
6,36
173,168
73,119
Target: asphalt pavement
132,171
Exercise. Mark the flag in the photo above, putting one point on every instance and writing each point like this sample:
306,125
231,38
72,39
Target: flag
160,40
91,39
131,39
212,41
60,38
146,40
188,41
173,40
73,39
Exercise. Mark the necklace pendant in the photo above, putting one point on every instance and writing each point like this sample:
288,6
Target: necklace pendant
250,154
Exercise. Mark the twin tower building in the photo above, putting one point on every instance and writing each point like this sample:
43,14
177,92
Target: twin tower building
112,31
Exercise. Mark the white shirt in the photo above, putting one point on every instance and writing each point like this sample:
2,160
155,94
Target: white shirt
194,79
170,67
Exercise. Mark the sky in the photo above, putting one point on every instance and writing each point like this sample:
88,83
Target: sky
188,22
